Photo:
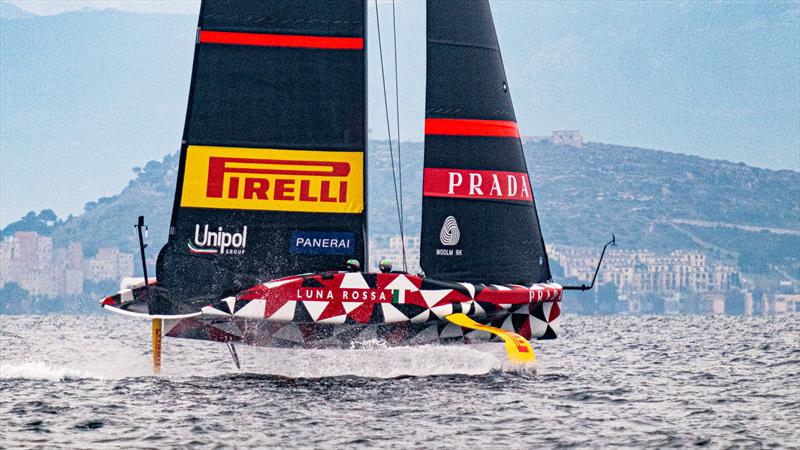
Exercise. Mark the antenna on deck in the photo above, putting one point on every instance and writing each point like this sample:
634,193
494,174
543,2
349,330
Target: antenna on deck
584,287
157,326
139,225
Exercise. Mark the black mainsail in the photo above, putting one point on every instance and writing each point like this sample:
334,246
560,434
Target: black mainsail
479,221
272,170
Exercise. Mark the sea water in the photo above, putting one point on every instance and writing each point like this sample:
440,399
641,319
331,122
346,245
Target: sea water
87,382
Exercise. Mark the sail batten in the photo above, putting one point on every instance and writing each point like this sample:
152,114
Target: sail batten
463,44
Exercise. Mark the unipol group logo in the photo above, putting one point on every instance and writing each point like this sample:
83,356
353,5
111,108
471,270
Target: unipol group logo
450,233
270,179
449,237
211,242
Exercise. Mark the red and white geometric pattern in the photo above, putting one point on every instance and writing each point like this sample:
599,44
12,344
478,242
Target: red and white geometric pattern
336,309
339,308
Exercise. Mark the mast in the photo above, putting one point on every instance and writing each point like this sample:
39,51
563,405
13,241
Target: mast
365,217
479,220
272,175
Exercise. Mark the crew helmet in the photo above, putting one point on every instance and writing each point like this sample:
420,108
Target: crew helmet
352,265
385,265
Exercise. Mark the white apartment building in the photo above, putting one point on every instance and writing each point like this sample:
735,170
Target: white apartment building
394,252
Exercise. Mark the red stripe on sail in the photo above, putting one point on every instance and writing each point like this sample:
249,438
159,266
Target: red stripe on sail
281,40
471,127
476,184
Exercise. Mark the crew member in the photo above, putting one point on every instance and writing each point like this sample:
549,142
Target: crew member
352,265
385,265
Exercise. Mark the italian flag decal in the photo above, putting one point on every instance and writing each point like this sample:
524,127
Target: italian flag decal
398,296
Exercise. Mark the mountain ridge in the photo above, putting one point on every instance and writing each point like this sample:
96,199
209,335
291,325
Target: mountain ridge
10,11
583,195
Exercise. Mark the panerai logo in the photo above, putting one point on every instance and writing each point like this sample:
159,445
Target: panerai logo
449,236
218,242
322,243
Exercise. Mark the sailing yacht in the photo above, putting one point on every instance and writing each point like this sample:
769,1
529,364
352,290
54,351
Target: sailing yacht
271,198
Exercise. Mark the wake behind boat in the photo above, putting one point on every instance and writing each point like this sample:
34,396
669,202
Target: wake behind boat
271,193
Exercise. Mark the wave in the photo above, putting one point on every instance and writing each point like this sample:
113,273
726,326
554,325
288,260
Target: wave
372,361
185,360
41,371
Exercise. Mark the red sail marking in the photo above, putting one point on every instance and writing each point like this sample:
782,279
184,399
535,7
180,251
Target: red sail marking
476,184
471,127
281,40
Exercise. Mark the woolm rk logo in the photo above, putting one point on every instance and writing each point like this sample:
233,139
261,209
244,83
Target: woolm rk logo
282,188
450,233
449,236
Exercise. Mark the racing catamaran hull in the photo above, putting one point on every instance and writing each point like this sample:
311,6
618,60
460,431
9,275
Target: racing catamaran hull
342,309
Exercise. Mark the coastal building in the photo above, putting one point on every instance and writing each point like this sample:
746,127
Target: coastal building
784,304
392,249
109,264
681,281
31,261
641,281
27,259
572,138
6,250
68,269
637,271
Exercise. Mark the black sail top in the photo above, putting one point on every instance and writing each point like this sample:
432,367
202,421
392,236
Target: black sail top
272,171
479,221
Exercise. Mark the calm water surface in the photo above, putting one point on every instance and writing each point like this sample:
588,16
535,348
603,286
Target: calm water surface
625,381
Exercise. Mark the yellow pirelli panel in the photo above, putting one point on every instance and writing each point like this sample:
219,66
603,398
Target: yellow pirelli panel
273,179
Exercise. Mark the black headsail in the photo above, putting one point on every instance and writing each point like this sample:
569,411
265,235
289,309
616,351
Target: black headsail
479,221
271,179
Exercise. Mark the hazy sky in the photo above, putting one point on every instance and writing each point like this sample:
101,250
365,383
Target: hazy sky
51,7
715,79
